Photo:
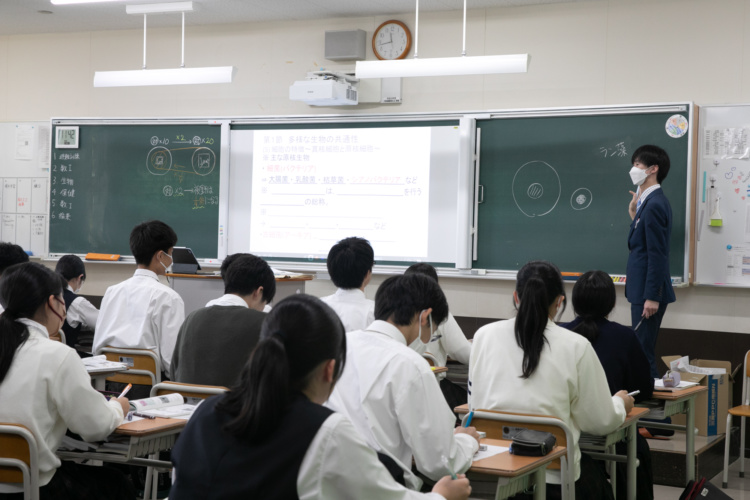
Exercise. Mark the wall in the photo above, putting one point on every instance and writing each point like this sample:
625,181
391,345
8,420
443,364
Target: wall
582,53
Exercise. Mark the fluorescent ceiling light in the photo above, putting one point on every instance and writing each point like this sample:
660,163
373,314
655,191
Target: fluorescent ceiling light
179,76
67,2
159,8
443,66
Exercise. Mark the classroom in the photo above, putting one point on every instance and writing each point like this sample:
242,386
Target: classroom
582,53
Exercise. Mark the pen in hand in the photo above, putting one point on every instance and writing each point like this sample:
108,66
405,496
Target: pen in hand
447,464
125,391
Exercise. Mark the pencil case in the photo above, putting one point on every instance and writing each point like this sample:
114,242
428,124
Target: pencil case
529,443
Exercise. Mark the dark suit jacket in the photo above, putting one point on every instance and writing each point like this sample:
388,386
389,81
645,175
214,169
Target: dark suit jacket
648,275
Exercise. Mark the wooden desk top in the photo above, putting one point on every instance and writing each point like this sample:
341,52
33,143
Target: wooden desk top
439,369
677,395
147,426
508,465
302,277
634,414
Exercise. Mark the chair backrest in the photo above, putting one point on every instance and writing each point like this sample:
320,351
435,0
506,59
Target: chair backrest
745,387
19,460
145,369
432,360
60,336
187,390
494,422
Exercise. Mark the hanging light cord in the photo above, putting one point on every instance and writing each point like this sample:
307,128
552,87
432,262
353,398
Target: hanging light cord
463,51
416,34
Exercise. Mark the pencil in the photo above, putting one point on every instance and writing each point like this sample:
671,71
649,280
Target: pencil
122,394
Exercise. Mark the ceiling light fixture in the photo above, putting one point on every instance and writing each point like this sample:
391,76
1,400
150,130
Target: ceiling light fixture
442,66
178,76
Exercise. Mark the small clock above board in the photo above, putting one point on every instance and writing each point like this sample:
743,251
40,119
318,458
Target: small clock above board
392,40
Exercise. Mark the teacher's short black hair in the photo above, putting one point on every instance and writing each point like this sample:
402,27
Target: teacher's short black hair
11,254
349,261
246,274
653,155
70,267
150,237
399,298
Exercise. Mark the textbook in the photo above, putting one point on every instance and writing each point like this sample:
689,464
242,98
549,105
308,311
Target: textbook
166,406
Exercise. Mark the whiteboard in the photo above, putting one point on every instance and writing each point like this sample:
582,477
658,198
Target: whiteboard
24,174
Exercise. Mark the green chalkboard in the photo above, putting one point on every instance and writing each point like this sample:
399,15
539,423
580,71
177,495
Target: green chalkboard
556,188
122,175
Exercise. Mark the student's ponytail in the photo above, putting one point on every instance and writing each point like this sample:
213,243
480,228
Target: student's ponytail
594,298
299,334
538,285
24,288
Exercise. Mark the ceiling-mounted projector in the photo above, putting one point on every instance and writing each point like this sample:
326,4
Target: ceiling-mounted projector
326,88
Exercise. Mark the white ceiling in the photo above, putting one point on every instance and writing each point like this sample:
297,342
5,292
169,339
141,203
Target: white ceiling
24,16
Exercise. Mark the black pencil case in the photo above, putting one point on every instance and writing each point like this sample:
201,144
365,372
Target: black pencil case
531,443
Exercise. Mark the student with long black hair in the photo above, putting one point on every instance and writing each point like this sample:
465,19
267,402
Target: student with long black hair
271,438
44,386
530,365
622,357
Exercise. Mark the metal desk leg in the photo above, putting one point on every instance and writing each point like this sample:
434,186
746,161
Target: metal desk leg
540,483
690,440
612,470
632,461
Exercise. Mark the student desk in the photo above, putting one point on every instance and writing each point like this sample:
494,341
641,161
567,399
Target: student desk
439,369
144,438
99,375
515,473
676,402
603,448
197,289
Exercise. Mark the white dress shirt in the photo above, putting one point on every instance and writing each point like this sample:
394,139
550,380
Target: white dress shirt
228,299
449,340
394,401
82,312
339,465
569,383
355,310
48,390
141,313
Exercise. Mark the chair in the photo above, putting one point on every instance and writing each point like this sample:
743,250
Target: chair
432,360
19,460
144,370
742,411
60,337
187,391
496,423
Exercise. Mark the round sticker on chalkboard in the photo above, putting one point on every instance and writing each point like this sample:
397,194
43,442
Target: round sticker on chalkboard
677,126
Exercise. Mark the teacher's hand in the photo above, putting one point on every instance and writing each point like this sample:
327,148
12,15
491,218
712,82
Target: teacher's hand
650,308
633,204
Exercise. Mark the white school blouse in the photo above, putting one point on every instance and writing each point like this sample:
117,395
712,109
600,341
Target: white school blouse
393,399
353,307
569,382
228,299
48,390
141,313
82,312
449,340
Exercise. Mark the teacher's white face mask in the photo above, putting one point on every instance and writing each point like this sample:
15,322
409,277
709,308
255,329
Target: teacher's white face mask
638,176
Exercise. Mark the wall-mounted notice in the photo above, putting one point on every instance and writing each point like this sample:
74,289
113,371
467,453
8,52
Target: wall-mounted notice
23,219
726,143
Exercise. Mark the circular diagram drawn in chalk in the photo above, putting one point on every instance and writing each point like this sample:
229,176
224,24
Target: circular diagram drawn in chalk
676,126
159,160
167,190
536,188
204,161
581,199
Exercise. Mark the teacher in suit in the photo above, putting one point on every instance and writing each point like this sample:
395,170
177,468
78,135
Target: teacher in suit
648,284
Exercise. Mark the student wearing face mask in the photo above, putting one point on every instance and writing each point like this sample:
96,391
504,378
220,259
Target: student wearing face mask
390,393
271,438
142,312
82,314
530,365
648,285
44,387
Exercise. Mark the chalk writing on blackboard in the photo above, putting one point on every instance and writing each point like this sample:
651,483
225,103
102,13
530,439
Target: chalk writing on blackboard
581,199
536,188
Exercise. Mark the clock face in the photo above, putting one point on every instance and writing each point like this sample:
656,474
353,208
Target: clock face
392,40
67,137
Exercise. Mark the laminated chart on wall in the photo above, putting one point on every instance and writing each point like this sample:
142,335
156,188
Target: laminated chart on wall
723,197
23,219
122,175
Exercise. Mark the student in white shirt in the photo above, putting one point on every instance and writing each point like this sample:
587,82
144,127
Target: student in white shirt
82,314
390,393
271,438
530,365
141,312
227,301
350,264
11,254
448,340
44,387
